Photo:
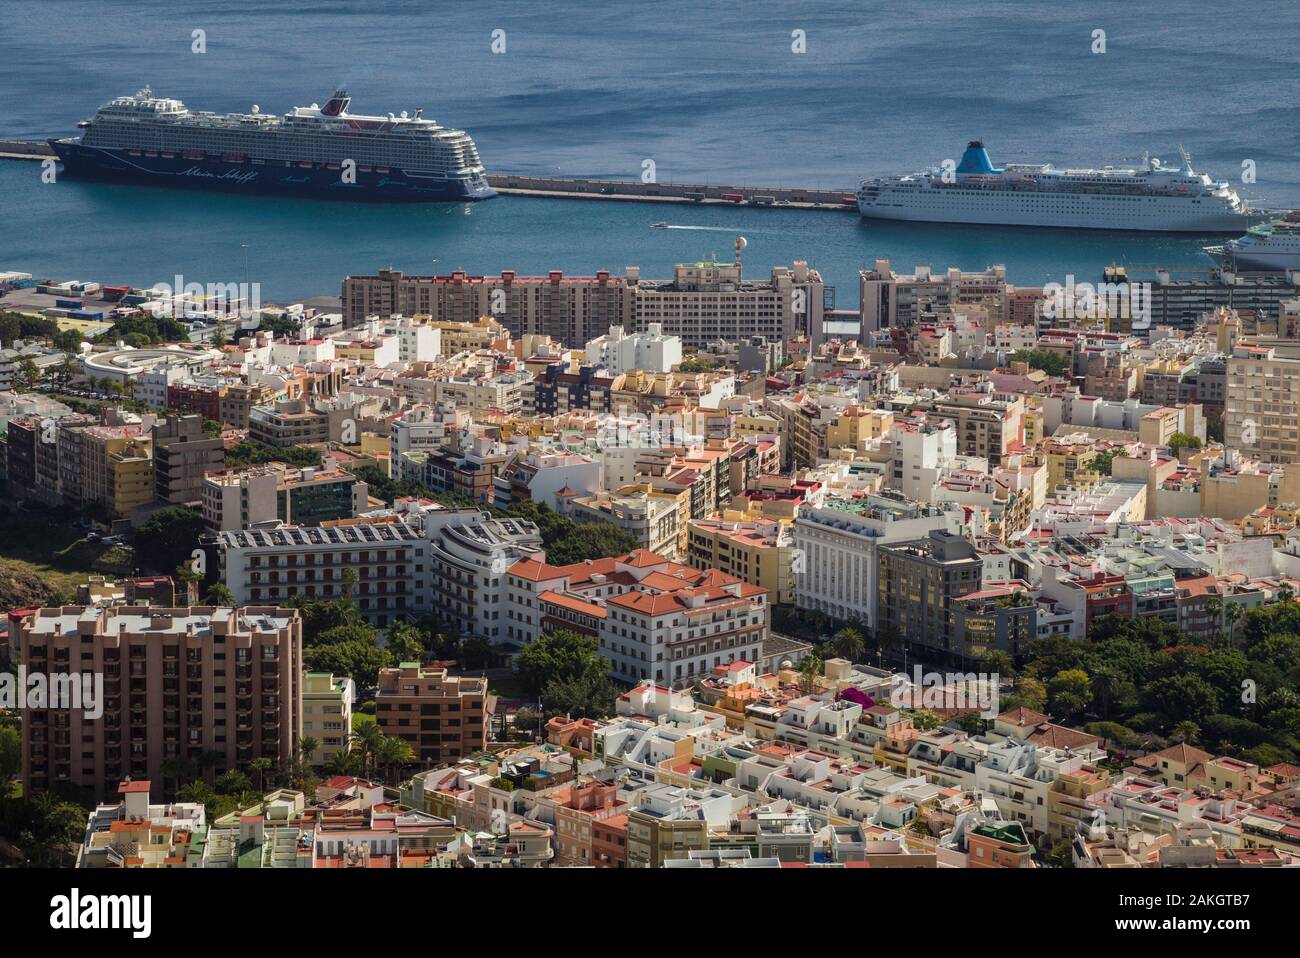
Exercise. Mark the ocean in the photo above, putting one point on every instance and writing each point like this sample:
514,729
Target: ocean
709,92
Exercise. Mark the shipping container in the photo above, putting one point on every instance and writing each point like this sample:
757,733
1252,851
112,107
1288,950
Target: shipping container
695,196
68,303
734,197
95,314
763,200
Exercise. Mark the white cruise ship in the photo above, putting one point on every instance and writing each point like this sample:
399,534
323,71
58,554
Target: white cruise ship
1269,247
1156,197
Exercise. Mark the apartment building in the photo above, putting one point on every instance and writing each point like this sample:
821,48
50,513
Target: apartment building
569,309
443,717
179,683
116,467
918,583
836,545
619,351
670,822
467,571
239,498
238,400
655,519
1262,409
300,422
654,620
327,714
702,303
760,552
182,455
889,300
390,561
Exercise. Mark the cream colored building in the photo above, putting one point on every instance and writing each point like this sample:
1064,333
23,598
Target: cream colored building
327,714
1262,408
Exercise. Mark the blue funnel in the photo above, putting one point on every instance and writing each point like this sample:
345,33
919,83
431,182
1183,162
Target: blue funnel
976,159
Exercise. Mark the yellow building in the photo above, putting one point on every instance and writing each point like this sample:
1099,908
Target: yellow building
1068,806
856,425
760,553
132,471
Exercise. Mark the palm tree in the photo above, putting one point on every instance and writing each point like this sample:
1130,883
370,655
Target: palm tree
261,766
810,670
368,736
1233,612
392,753
175,772
307,747
1285,592
848,644
343,762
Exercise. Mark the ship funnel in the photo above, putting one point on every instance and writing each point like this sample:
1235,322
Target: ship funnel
338,103
976,159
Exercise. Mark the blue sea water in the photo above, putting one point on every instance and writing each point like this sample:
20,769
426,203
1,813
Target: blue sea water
710,92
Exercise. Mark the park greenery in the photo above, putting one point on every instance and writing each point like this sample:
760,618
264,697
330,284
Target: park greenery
1049,361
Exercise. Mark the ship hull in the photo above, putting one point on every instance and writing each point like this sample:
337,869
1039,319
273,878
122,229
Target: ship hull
1164,214
1254,261
273,177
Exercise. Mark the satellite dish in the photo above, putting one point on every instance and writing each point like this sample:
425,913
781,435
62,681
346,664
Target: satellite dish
403,114
256,109
741,243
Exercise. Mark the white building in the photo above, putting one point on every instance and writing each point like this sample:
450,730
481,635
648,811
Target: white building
621,352
835,549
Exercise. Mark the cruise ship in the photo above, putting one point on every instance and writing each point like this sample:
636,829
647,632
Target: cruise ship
1155,197
311,150
1269,247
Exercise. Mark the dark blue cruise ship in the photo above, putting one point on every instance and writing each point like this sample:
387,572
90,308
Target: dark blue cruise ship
310,151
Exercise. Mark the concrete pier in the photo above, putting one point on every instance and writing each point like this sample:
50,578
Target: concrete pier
634,191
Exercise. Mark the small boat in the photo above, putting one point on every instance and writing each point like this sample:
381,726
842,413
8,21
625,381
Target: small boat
659,226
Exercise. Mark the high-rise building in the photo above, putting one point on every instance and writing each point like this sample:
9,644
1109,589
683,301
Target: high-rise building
918,583
703,302
1262,409
182,455
178,684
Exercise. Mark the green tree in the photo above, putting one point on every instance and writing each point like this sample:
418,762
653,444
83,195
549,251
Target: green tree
405,643
260,766
557,655
810,670
1069,692
848,643
11,757
1060,856
1181,697
1181,440
167,538
235,782
1052,363
219,595
307,746
391,753
360,660
588,694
